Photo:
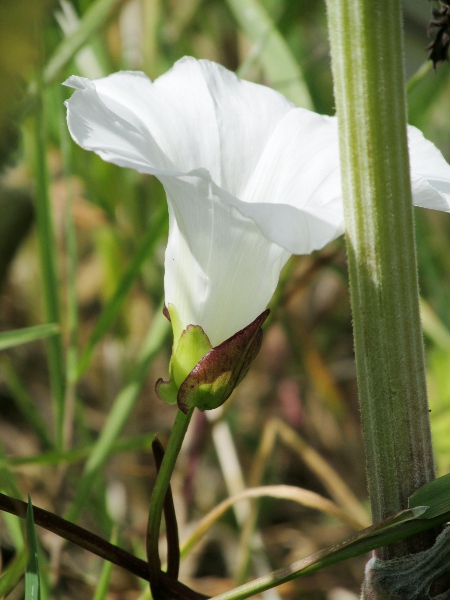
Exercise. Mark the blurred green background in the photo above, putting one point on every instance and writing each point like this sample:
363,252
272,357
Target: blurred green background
82,246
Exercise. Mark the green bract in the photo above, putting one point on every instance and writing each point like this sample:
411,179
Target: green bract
204,377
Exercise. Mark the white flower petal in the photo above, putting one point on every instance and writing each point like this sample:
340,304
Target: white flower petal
197,115
116,136
246,114
249,179
430,173
220,271
297,230
295,191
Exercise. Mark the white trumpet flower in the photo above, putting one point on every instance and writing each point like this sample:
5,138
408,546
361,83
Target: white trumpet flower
250,179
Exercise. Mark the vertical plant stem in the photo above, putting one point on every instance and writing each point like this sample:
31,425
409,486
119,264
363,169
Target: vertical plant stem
180,427
48,254
367,60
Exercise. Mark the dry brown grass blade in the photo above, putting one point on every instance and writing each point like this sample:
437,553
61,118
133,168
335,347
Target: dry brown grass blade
282,492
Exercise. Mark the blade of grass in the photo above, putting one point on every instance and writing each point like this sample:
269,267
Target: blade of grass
32,583
16,337
401,526
424,89
279,64
115,303
433,327
105,576
25,403
330,479
14,530
120,411
94,19
98,546
13,573
86,61
70,273
48,263
133,444
7,480
234,480
284,492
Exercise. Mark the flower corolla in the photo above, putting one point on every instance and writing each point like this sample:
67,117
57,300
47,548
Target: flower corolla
250,179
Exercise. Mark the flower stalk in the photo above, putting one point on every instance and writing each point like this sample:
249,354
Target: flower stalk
179,430
367,61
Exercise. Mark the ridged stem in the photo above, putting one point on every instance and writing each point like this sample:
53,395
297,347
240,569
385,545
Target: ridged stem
367,59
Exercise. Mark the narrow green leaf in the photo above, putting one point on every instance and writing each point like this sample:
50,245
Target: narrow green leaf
105,576
119,413
8,482
25,404
115,303
48,263
94,18
280,65
13,573
435,495
32,583
425,88
71,245
16,337
399,527
132,444
433,327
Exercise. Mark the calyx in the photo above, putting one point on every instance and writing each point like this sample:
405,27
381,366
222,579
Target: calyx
202,376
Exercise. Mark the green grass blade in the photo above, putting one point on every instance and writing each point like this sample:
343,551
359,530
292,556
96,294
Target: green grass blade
115,303
120,411
95,17
401,526
16,337
32,583
71,268
13,573
430,503
433,327
435,495
425,88
130,444
48,263
71,243
14,530
7,480
279,64
25,403
105,576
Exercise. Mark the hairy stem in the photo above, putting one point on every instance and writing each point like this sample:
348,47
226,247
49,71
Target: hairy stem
367,58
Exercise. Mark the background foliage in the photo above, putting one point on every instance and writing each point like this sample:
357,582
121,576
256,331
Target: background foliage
82,248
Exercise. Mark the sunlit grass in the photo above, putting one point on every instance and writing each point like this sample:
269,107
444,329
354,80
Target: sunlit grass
78,408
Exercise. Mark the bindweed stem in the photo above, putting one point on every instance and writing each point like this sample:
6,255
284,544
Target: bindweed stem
173,542
180,426
367,58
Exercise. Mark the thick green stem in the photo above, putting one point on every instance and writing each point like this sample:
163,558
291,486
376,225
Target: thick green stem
180,426
367,59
